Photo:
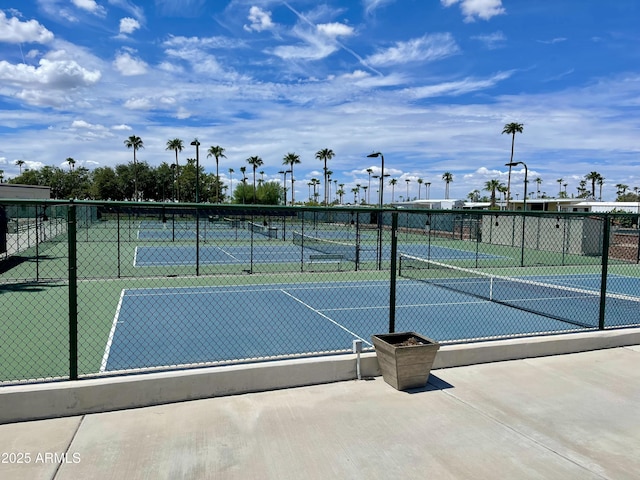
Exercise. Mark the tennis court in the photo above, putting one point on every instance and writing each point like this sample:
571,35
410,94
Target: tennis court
185,255
159,327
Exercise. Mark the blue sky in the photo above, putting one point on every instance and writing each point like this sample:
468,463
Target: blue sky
429,83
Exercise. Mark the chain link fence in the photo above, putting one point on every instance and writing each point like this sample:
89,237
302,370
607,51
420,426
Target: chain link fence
92,288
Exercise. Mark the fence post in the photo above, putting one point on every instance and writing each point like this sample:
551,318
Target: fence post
605,267
392,282
73,293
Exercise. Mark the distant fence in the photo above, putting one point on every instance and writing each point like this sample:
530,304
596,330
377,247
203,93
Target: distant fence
104,288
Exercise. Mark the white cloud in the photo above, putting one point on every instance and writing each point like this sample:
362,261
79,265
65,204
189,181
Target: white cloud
316,46
553,40
128,65
472,9
57,73
423,49
128,25
139,104
492,40
371,5
456,88
334,30
260,20
121,127
90,6
12,30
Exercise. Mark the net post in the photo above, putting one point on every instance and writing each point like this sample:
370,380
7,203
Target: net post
392,282
605,267
73,292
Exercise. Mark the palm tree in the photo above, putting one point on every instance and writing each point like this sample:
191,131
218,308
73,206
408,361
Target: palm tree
593,177
217,152
600,184
243,170
393,182
492,186
511,129
369,172
407,180
324,155
136,144
538,181
255,162
420,182
560,180
621,189
502,188
291,159
355,191
20,163
177,146
71,162
448,178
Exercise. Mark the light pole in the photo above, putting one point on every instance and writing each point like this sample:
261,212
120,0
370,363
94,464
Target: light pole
284,184
196,144
524,204
375,155
526,174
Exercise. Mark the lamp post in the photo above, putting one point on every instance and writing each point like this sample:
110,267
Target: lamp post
381,196
524,204
196,144
375,155
284,184
526,173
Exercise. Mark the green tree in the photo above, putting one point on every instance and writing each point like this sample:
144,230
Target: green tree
19,163
71,162
255,162
324,155
291,159
492,186
448,178
538,181
176,145
592,177
393,182
217,152
511,129
104,184
136,144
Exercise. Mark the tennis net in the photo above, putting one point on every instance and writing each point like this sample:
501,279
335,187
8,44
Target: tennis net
266,230
349,251
578,306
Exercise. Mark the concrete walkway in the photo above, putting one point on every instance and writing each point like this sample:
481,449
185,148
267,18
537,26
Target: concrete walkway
562,417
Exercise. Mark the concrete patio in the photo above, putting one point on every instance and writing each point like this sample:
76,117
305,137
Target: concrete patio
561,417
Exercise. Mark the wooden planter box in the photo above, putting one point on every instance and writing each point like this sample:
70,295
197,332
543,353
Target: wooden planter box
405,358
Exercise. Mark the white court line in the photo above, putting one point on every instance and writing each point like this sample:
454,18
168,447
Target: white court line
325,317
135,257
107,349
227,253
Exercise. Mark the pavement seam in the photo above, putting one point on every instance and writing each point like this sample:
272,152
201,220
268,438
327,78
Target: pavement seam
66,452
522,434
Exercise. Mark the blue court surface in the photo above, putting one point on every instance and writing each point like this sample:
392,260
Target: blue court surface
200,325
274,252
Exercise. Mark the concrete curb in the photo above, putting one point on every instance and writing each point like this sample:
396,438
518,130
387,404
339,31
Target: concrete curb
62,399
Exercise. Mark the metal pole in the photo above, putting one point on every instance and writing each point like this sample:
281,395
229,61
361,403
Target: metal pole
392,282
605,268
73,293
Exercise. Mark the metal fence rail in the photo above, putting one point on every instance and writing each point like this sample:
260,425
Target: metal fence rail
94,288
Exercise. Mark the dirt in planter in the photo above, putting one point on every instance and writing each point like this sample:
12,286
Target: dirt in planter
410,341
